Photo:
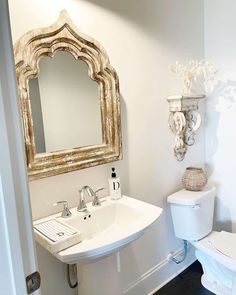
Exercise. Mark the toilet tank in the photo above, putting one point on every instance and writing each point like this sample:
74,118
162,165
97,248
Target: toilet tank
192,213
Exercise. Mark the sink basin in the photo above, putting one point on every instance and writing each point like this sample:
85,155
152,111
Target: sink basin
107,228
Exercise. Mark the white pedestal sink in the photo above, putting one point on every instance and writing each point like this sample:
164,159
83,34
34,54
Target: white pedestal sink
106,229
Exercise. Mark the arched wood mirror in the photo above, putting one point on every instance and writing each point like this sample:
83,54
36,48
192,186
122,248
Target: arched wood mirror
69,98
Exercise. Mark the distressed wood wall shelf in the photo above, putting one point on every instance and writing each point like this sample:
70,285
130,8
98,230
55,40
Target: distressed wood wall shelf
184,121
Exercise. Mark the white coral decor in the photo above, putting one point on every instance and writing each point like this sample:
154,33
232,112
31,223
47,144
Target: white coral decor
195,74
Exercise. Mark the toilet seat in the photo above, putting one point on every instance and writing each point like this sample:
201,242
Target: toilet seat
225,243
219,246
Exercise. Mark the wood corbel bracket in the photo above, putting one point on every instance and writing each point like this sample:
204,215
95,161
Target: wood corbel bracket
184,121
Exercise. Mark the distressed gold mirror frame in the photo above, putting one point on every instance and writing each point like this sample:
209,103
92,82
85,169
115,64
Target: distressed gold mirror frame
63,35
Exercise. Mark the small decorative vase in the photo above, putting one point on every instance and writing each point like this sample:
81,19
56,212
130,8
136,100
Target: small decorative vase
194,179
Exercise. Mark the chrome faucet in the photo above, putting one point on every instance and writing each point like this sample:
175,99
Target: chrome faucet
82,205
96,200
66,211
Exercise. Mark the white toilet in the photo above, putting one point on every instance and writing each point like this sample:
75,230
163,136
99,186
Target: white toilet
192,215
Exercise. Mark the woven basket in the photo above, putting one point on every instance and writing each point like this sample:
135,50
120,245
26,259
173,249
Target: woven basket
194,179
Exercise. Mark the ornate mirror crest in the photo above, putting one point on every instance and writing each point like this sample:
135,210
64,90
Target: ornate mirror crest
64,36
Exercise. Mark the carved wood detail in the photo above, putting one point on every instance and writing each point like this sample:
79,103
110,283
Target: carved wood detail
184,121
28,50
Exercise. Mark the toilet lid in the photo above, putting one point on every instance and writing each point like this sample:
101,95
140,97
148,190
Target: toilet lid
225,243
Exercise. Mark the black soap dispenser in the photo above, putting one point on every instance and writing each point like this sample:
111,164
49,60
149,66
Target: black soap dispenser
114,186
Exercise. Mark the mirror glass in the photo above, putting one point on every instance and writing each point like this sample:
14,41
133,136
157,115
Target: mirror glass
65,105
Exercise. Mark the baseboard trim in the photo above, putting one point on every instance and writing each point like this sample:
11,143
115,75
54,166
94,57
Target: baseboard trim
159,275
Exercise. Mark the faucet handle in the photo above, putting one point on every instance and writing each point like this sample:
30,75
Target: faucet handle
96,201
66,211
98,190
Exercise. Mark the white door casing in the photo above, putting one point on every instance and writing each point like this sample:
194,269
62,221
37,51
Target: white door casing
17,255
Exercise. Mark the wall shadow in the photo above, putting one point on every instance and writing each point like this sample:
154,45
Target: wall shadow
223,95
150,15
222,98
226,223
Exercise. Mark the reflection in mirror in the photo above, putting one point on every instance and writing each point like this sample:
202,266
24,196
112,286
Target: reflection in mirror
65,104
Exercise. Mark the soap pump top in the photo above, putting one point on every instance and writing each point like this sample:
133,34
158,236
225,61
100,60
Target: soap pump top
113,173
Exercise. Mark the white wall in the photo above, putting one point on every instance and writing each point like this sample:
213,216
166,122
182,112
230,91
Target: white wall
220,48
142,38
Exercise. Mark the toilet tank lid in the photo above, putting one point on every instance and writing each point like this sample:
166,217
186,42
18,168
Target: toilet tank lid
188,198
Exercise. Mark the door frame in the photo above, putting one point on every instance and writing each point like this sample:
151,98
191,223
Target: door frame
17,255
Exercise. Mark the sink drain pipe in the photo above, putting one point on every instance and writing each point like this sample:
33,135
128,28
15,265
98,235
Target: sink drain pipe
178,261
72,286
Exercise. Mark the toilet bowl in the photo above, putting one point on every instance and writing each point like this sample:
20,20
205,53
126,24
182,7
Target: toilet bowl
217,254
192,216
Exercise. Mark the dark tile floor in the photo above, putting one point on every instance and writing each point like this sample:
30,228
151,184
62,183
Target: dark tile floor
186,283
